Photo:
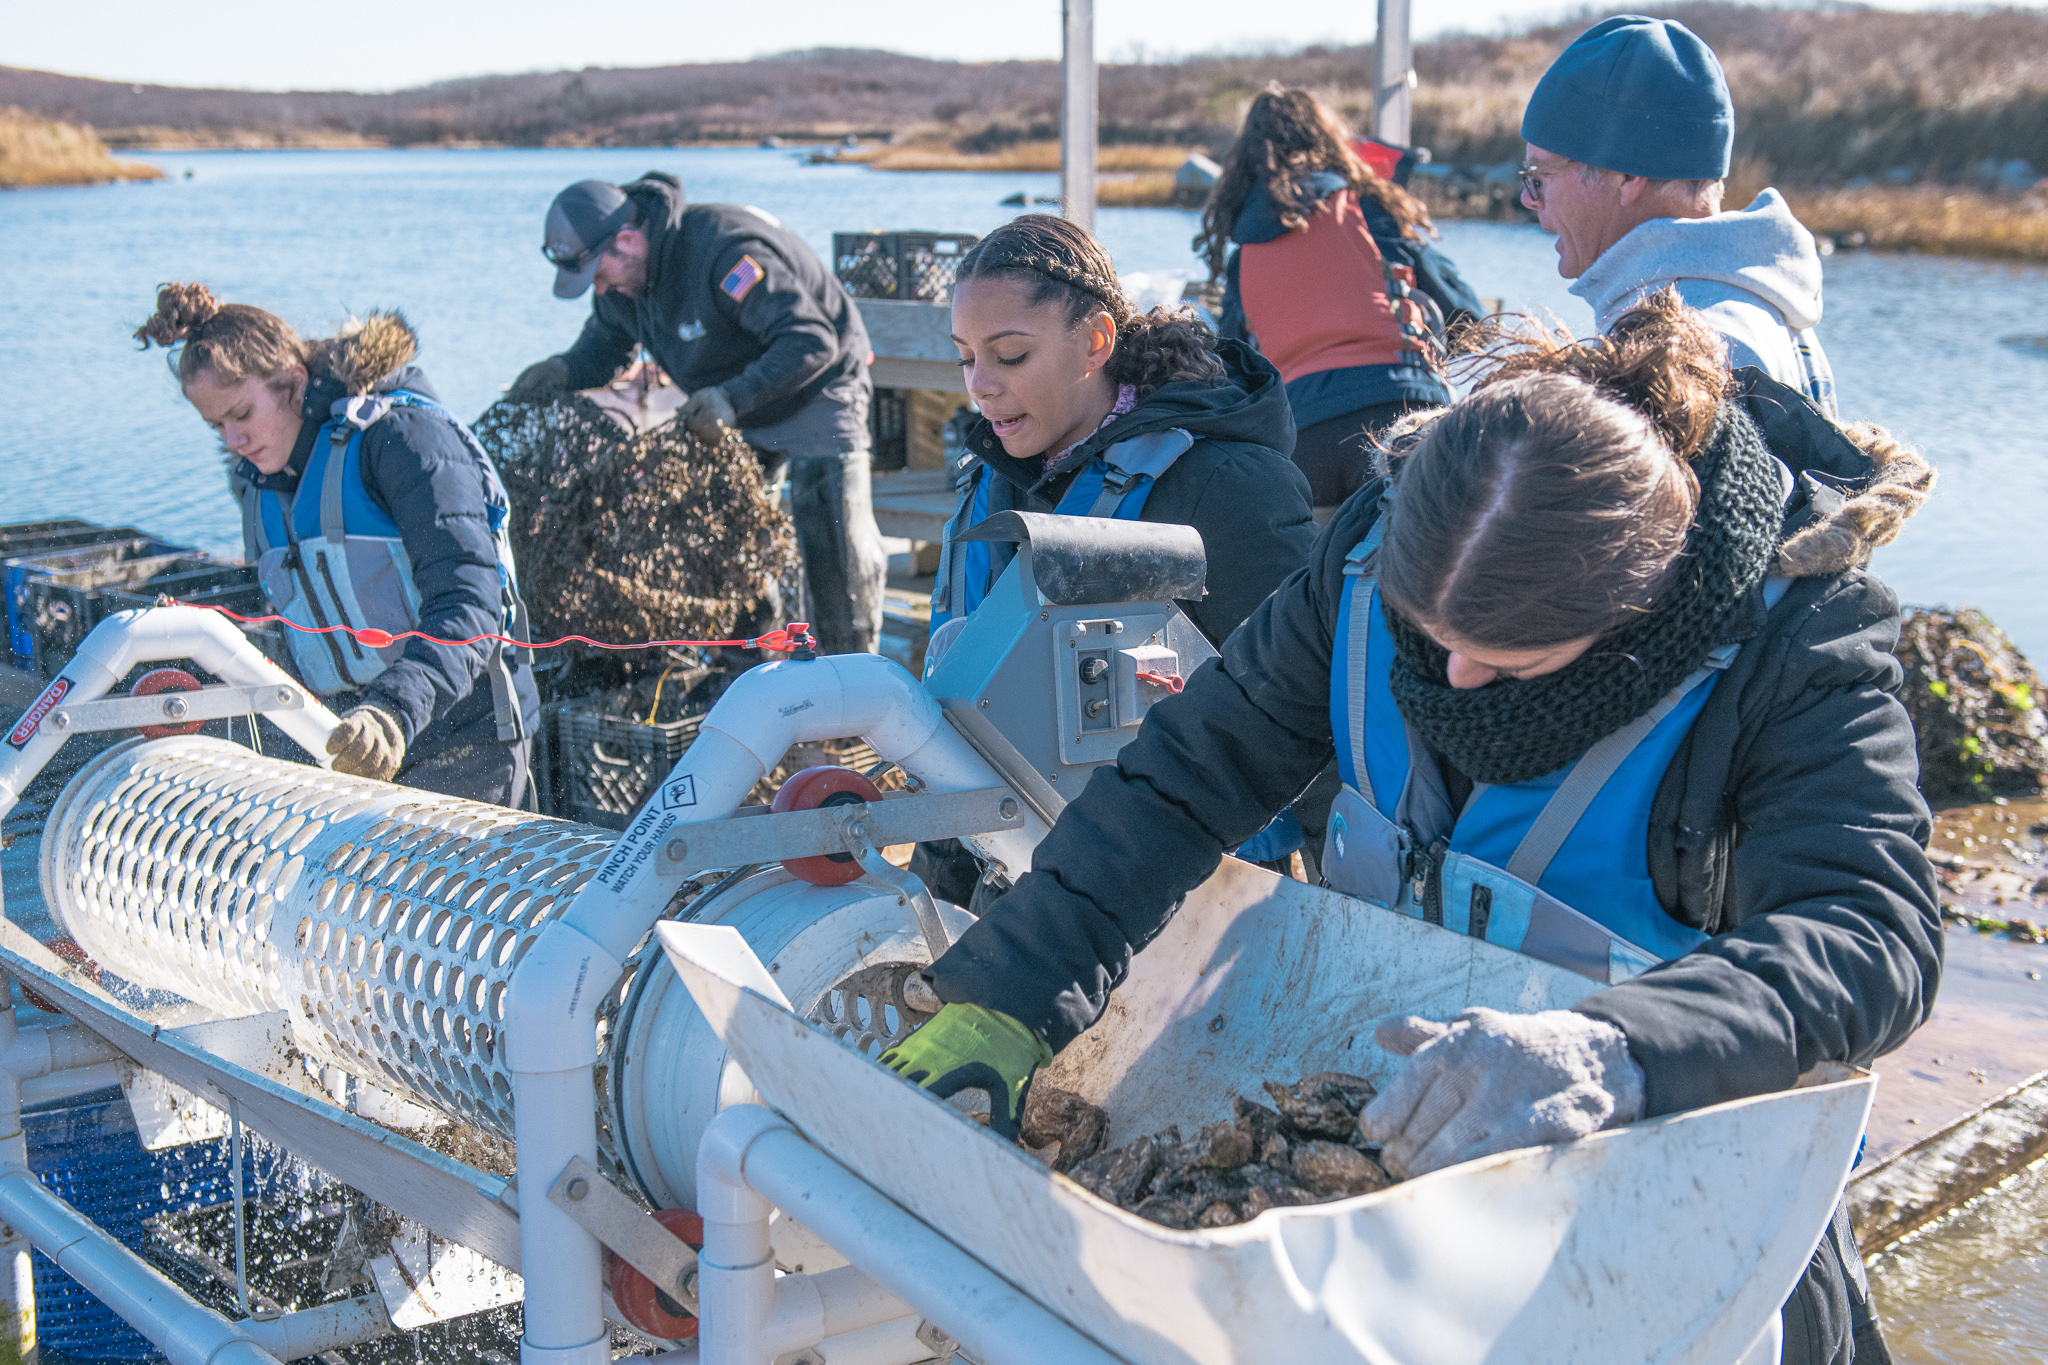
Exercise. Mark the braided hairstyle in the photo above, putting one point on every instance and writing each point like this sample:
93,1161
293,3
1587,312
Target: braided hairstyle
232,341
1058,262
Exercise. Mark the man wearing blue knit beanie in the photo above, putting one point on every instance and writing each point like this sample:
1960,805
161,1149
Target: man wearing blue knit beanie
1629,135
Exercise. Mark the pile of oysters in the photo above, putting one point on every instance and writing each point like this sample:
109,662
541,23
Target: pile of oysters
1305,1149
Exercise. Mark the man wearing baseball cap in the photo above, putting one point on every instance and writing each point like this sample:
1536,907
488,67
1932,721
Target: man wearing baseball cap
1629,137
751,325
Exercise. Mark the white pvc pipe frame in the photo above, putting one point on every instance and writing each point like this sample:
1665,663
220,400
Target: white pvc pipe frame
149,635
550,1022
66,1058
752,1160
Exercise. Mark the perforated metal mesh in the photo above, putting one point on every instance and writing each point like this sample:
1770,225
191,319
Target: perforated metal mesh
387,922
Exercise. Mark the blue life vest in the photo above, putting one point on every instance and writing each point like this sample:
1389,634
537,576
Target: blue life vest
1115,483
1556,867
328,555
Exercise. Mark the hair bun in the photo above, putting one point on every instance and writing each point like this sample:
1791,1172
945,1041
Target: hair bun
181,310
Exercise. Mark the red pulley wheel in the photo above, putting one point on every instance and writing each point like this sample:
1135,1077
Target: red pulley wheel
69,950
825,785
166,680
640,1303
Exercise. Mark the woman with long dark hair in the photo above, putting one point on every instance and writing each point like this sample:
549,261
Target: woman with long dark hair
1609,685
1329,268
365,503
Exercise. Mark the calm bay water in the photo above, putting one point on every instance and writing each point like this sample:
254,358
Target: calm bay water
92,428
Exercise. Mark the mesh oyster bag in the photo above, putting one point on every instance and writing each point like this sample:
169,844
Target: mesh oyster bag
625,536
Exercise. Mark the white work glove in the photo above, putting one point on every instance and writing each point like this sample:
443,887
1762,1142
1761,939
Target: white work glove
367,743
1491,1082
707,413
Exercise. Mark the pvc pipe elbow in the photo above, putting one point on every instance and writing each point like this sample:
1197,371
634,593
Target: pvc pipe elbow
551,1008
772,707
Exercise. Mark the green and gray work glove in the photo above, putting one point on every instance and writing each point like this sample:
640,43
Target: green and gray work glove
367,743
966,1047
707,413
1491,1082
539,382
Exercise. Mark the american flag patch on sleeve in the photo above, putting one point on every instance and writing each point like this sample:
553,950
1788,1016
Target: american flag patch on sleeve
744,276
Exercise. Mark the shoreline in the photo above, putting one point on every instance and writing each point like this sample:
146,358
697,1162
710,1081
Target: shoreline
37,153
1934,219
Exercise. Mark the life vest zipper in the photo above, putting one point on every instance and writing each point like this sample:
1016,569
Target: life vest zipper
1429,882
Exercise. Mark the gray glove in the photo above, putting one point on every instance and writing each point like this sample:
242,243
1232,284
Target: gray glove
707,413
539,382
1491,1082
367,743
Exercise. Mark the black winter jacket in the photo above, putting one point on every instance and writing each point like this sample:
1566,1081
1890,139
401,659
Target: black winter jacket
733,299
417,467
1789,825
1235,485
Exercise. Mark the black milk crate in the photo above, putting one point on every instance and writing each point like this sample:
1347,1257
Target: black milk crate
198,583
889,430
604,765
907,266
25,539
57,598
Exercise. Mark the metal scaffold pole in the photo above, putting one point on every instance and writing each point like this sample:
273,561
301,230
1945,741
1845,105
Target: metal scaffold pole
1077,113
1393,74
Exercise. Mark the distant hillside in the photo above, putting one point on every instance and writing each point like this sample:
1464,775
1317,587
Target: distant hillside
1823,96
40,152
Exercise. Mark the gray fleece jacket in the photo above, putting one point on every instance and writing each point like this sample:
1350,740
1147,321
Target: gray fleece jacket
1754,273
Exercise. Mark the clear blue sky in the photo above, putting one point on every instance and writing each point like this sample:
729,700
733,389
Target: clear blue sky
385,45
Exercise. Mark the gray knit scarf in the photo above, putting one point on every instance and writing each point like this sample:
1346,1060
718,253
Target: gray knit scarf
1517,729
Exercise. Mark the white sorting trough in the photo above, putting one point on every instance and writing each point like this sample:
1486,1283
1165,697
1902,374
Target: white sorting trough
1674,1240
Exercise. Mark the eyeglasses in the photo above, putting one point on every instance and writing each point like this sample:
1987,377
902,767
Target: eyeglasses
1533,177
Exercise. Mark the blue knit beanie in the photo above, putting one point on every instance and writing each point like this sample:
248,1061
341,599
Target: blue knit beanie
1636,95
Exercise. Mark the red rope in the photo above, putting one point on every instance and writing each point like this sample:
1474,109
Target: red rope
795,636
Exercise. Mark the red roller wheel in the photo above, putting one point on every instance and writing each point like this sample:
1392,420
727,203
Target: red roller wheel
166,680
640,1303
825,785
69,950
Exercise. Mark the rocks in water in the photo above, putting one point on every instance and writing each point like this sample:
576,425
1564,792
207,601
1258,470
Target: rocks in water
1307,1150
1976,705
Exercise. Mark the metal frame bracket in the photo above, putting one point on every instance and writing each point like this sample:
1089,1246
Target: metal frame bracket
174,708
772,837
604,1211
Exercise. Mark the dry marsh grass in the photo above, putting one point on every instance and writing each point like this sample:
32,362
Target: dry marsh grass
38,152
1929,219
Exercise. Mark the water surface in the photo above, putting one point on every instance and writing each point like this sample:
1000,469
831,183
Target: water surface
94,429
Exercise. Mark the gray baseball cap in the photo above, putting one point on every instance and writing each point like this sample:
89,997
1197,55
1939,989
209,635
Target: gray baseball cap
581,222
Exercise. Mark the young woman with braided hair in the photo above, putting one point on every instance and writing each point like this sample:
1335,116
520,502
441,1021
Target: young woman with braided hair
1616,597
1068,379
1089,408
366,503
1329,270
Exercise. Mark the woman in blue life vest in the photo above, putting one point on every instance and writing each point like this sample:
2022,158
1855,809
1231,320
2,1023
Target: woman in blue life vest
1089,409
1609,685
1329,270
365,503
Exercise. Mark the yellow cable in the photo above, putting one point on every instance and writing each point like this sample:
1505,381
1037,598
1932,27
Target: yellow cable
652,710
